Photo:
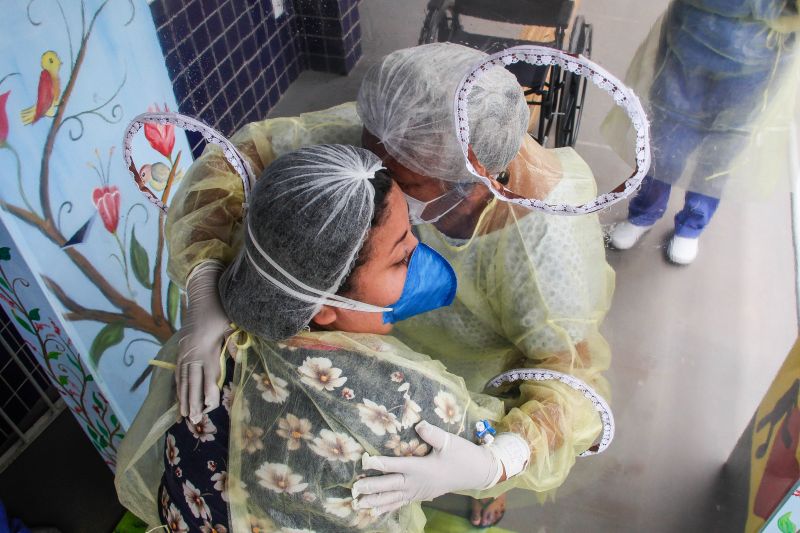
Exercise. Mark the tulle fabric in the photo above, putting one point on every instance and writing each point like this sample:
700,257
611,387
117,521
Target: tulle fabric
302,413
719,83
533,291
205,215
533,288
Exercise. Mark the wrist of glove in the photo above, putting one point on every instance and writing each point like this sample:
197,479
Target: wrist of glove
513,453
454,464
200,340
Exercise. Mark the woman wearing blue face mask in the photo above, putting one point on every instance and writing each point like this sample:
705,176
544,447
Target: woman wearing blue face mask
328,263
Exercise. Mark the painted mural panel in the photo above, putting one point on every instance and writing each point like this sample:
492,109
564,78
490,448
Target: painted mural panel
73,74
44,335
786,518
774,462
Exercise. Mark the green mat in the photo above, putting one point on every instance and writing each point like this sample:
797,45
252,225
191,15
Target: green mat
438,522
130,524
442,522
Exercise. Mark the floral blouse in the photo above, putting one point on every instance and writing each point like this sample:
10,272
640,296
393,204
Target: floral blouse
304,412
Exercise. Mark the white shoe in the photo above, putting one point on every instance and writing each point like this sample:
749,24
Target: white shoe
682,250
626,234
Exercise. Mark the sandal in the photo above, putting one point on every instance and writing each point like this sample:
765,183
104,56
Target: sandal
485,503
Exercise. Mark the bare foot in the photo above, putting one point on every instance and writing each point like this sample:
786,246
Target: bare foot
488,511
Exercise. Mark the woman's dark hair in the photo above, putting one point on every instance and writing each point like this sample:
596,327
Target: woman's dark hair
382,183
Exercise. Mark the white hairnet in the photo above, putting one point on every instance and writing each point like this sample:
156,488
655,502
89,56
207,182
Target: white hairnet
308,218
406,101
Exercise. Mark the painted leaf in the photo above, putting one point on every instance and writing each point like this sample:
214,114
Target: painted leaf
785,523
173,303
33,314
5,253
114,421
97,401
22,322
109,336
4,283
140,262
91,433
53,355
63,380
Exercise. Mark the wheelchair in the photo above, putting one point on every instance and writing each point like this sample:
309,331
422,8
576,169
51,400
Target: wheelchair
559,95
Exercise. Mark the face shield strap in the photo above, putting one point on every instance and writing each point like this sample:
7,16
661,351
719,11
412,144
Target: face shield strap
600,405
239,163
541,55
311,295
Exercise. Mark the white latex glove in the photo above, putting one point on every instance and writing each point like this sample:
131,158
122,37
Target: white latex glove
200,343
454,464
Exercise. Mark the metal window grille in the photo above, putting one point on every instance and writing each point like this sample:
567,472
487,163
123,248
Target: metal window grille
28,400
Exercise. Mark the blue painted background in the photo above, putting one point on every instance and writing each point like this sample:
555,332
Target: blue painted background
122,73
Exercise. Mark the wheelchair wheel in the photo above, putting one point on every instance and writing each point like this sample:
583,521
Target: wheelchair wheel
439,21
573,90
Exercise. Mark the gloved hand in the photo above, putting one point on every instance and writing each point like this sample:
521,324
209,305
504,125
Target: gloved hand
200,343
454,464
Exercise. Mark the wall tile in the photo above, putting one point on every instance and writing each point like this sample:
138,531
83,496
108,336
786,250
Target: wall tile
280,65
228,13
283,82
334,47
230,60
317,62
329,8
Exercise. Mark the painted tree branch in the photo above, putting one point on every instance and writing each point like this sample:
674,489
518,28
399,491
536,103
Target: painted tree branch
79,312
48,229
131,314
44,174
141,321
156,301
136,317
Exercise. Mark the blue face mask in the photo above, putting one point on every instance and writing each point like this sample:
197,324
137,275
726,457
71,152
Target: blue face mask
430,284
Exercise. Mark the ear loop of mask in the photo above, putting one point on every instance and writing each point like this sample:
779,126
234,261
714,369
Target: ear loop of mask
245,171
316,296
417,208
576,64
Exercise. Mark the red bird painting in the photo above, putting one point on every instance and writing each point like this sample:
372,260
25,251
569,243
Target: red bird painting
49,93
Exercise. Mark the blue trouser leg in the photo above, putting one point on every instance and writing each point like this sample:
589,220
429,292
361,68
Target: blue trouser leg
695,215
650,202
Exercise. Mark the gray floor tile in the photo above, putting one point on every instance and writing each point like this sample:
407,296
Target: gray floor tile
61,481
